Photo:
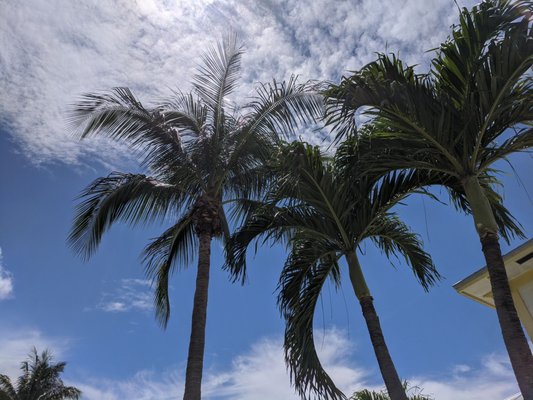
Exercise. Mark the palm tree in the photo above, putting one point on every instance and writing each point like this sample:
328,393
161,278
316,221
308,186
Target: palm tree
474,108
372,395
40,380
200,153
324,217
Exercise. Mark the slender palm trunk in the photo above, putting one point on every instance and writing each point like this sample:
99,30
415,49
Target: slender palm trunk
195,359
513,334
386,365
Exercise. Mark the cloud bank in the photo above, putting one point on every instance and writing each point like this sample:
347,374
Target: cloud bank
494,379
52,51
259,373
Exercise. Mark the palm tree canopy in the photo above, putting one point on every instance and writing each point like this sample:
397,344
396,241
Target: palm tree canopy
454,121
321,217
40,380
415,394
200,152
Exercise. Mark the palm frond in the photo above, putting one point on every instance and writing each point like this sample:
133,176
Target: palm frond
185,112
522,141
308,266
41,379
372,154
119,115
7,390
395,238
282,107
62,393
276,111
509,227
414,393
368,395
247,179
460,56
175,247
218,77
133,198
504,91
269,223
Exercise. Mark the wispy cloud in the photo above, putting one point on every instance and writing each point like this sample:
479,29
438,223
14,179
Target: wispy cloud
257,374
51,51
494,379
130,295
260,374
16,344
6,280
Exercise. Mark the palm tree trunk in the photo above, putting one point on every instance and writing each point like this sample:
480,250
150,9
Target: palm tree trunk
386,365
195,359
513,334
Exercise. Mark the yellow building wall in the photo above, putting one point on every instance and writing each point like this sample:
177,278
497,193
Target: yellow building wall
522,291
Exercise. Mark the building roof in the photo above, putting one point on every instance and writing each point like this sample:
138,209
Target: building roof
477,285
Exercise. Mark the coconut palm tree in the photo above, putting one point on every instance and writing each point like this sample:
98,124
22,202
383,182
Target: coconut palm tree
474,108
40,380
200,152
323,218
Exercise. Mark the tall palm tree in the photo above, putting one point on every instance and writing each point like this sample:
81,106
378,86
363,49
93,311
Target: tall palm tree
324,217
200,153
474,108
40,380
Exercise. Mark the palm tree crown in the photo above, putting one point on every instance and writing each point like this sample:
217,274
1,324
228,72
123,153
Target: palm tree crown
372,395
454,121
40,380
324,217
201,153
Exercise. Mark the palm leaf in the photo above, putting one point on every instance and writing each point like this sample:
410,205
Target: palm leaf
218,77
7,390
132,198
393,237
307,268
459,57
119,115
281,107
174,247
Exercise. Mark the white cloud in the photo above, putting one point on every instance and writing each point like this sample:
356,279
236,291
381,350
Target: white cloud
144,385
130,295
51,51
461,368
6,281
16,344
259,373
494,380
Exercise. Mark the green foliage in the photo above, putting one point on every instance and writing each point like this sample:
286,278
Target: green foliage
40,380
455,121
414,393
196,148
321,217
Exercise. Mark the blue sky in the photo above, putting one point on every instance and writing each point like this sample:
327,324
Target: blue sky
98,316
